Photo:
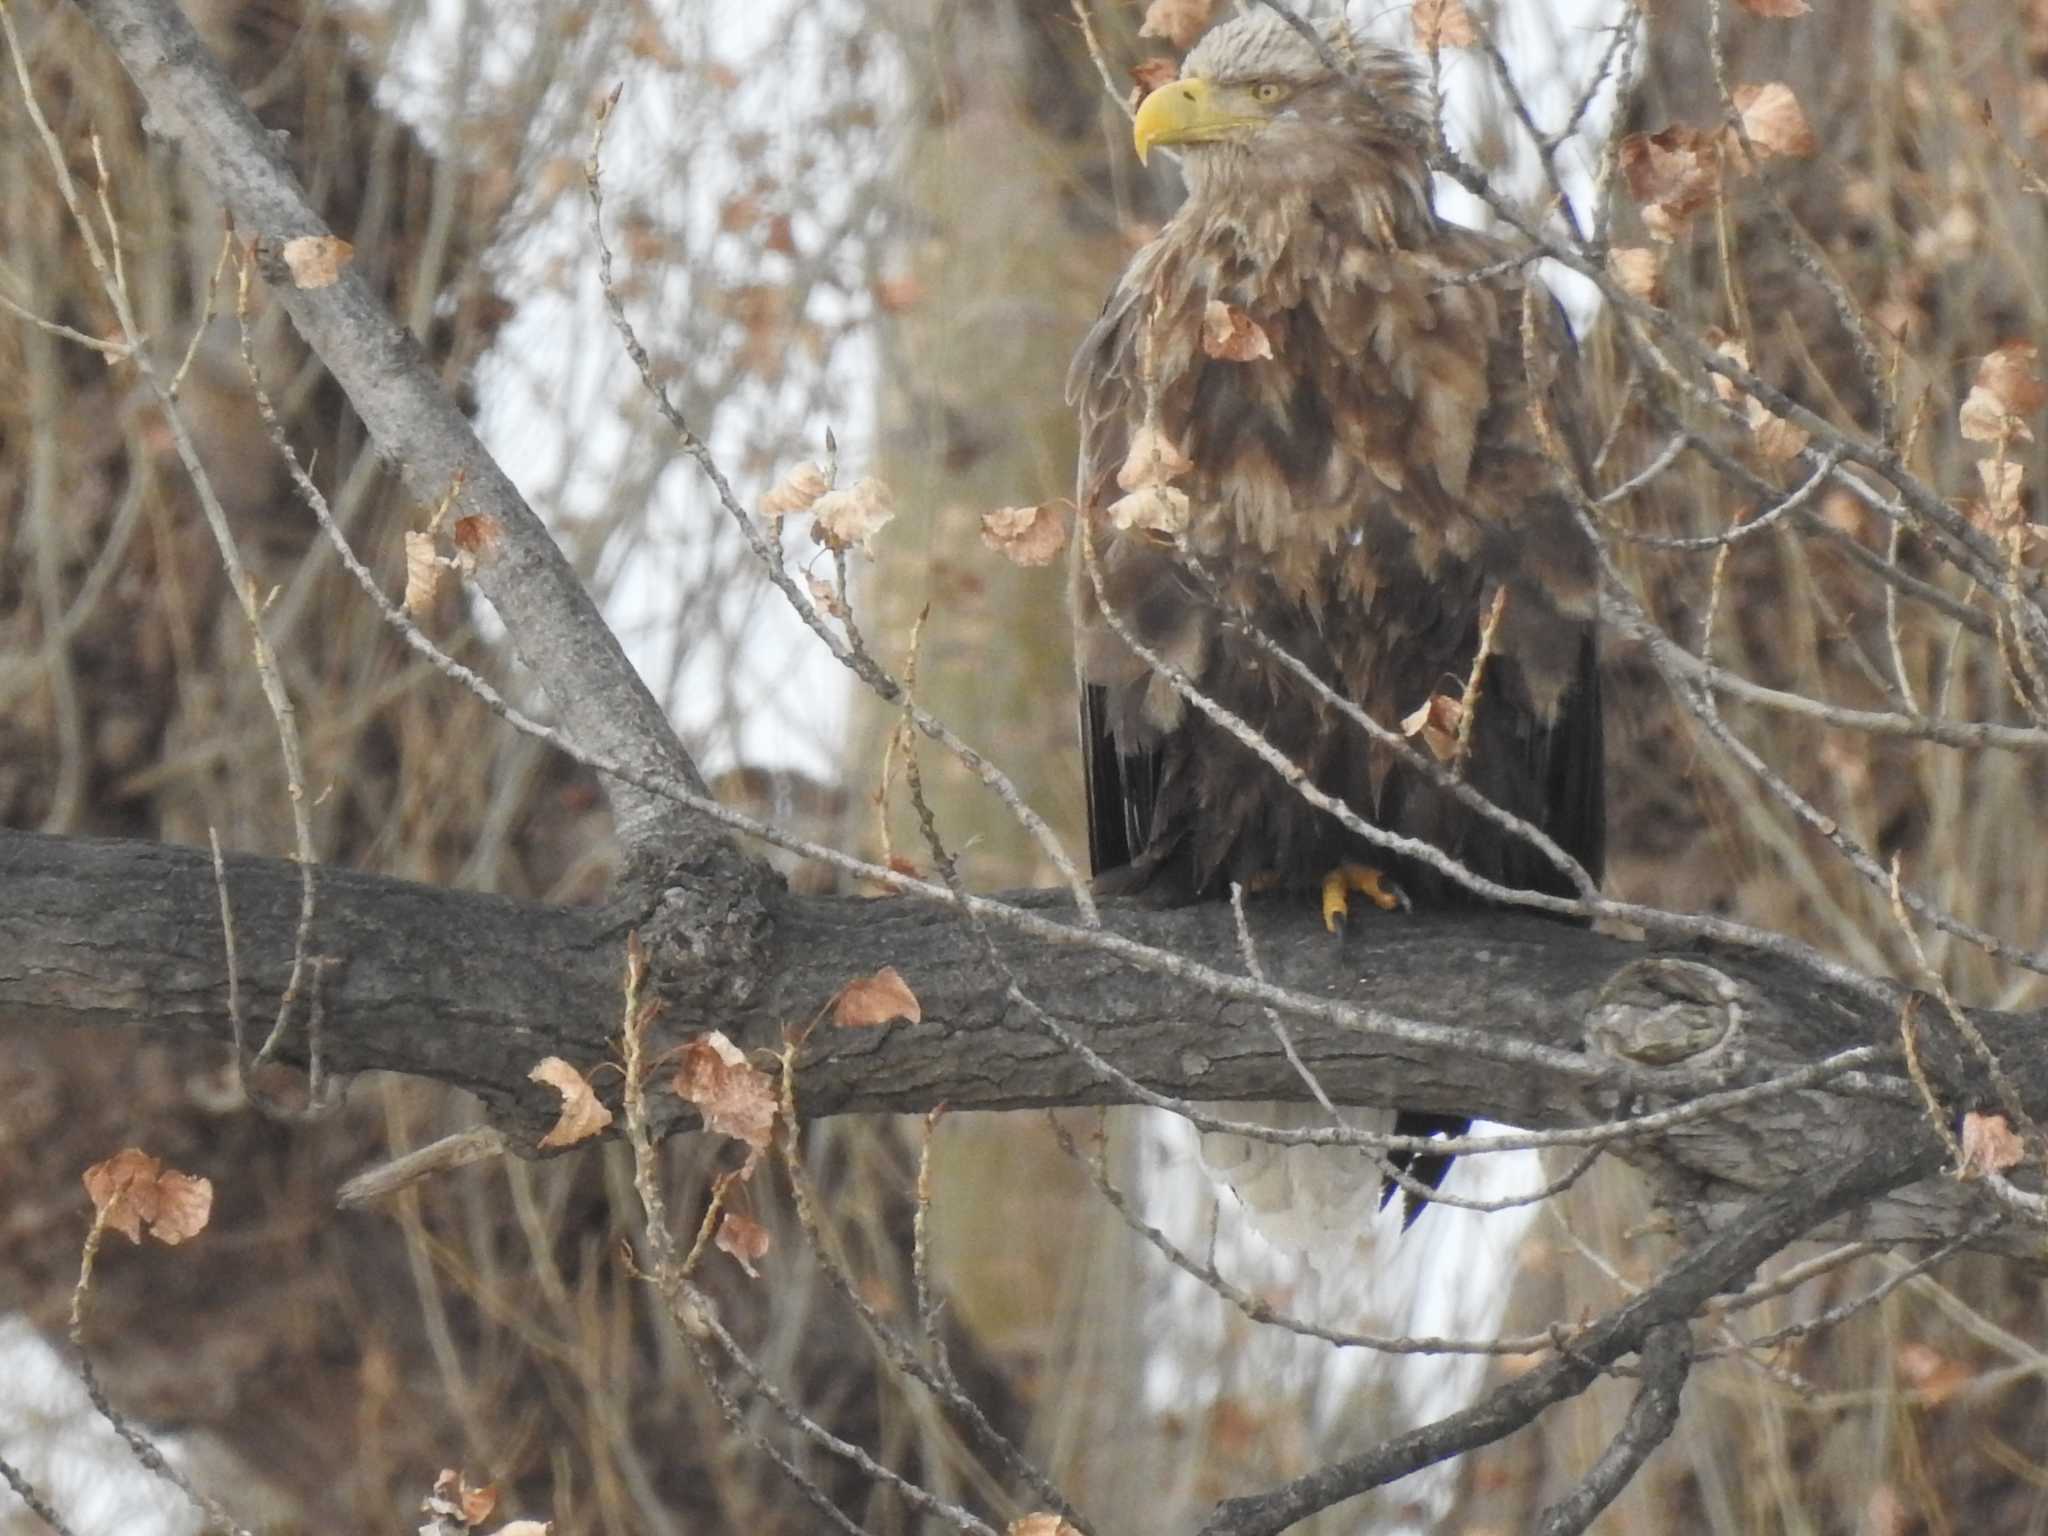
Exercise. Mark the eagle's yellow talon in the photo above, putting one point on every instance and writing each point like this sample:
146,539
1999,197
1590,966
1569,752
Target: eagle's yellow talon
1340,882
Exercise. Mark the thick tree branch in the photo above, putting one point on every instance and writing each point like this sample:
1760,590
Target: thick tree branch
551,618
1534,1023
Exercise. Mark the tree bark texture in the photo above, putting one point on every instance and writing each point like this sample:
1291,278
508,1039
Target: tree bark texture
1513,1018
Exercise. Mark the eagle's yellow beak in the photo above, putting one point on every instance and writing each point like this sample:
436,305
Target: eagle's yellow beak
1183,112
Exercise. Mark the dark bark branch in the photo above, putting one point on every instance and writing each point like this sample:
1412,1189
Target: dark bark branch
1534,1023
1666,1360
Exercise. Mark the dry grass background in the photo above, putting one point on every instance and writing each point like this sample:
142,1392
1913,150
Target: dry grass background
953,201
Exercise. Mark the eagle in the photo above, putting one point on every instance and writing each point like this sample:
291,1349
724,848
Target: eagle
1310,422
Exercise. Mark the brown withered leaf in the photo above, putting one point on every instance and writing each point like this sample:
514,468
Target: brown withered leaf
1990,1145
1775,9
1150,74
794,492
454,1499
582,1116
1774,120
1027,535
1778,441
131,1190
1179,22
1736,351
526,1528
739,212
646,42
734,1099
851,518
1442,24
1233,336
315,261
875,999
425,575
1039,1523
1437,721
894,295
1927,1370
744,1238
1160,509
1673,173
1153,459
2005,391
825,595
184,1206
479,537
1639,269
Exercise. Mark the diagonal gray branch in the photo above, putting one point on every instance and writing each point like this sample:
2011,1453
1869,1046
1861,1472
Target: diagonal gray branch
1666,1361
551,618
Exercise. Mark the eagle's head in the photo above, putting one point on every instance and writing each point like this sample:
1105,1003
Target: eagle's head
1255,106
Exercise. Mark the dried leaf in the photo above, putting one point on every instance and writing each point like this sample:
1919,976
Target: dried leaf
646,42
453,1499
894,295
131,1190
825,595
1927,1370
734,1099
1777,440
1156,509
1153,459
744,1238
1673,173
1774,120
1990,1145
739,212
582,1116
2005,390
875,999
1639,269
1437,721
425,575
1027,535
1775,9
1040,1523
794,492
1443,24
850,519
1179,22
1736,351
1150,74
315,261
479,537
1232,335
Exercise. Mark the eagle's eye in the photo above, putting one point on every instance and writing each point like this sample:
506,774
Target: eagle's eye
1267,92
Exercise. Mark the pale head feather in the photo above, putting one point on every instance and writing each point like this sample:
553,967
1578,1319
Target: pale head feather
1334,129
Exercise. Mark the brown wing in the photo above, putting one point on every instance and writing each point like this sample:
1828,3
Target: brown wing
1386,391
1357,497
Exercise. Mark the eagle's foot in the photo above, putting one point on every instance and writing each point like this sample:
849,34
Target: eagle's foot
1341,882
